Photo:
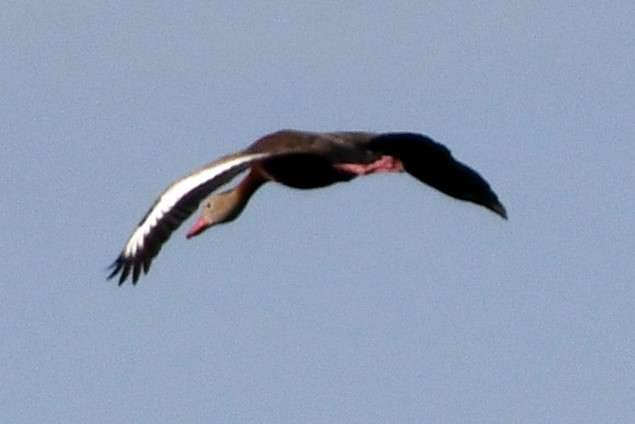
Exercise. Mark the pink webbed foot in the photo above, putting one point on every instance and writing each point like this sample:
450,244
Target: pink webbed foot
384,164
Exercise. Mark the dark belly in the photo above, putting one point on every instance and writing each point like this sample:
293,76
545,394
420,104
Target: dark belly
304,171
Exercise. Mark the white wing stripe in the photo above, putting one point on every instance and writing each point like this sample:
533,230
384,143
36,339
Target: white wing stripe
176,191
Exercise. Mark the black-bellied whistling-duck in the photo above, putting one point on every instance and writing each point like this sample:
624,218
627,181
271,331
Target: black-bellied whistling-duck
299,159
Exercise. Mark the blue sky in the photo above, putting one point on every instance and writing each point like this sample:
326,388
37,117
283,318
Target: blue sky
374,301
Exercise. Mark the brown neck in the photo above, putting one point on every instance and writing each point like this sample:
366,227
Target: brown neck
251,183
240,195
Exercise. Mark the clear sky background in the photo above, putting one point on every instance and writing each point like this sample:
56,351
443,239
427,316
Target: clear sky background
378,300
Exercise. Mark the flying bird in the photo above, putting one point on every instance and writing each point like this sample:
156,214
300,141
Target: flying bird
298,159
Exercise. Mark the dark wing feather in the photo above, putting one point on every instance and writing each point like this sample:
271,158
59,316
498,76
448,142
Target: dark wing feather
173,207
433,164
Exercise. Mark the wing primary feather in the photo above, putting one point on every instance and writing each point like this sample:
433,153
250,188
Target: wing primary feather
433,164
171,208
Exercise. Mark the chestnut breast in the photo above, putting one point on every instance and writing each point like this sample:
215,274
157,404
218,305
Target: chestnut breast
309,157
304,171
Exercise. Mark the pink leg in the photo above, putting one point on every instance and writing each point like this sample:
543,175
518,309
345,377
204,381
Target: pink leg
382,165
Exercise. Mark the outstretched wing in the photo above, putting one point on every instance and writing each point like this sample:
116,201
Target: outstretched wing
433,164
173,207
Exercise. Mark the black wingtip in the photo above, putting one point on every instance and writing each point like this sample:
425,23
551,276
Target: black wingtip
498,208
132,267
136,270
116,267
120,265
